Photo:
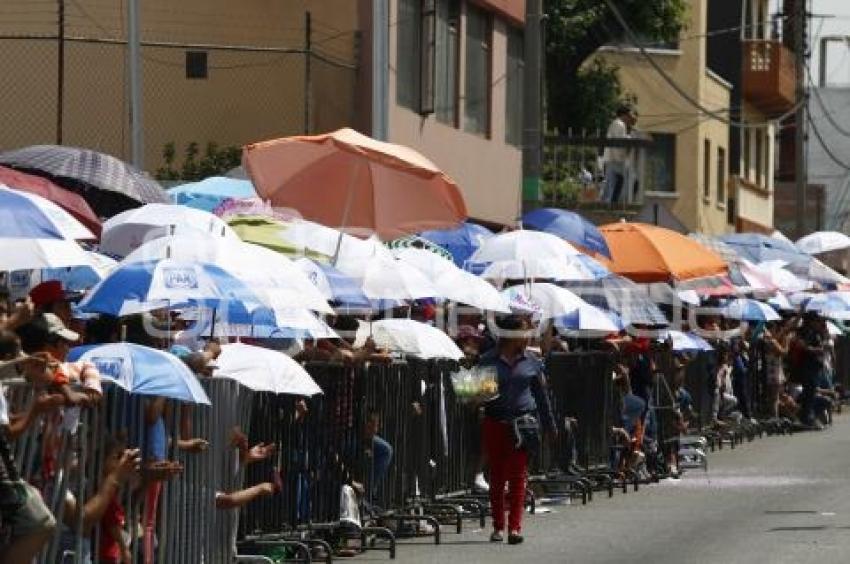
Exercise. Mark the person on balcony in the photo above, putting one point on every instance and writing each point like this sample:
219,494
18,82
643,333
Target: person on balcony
617,158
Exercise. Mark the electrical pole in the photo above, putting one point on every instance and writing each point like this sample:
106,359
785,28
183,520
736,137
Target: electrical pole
137,148
801,154
532,139
60,71
308,69
380,68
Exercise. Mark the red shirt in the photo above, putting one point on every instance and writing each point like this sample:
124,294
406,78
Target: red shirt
110,549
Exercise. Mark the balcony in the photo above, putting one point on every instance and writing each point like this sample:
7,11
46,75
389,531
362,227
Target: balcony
769,76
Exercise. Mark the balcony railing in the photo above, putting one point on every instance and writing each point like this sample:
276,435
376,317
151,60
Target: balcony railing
769,76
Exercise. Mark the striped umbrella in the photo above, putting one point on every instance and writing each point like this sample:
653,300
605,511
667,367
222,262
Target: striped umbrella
107,183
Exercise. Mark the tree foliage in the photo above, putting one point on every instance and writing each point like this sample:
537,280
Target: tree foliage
575,29
215,161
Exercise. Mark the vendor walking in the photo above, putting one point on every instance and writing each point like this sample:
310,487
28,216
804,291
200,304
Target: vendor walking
511,428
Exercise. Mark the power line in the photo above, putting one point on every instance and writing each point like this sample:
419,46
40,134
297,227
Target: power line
823,144
826,113
679,90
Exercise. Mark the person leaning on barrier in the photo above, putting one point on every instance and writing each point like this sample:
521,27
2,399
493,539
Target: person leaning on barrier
512,421
26,524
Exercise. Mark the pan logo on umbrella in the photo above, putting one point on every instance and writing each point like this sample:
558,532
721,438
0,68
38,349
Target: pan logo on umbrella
20,279
180,278
109,366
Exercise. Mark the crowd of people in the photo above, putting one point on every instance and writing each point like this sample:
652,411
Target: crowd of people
780,371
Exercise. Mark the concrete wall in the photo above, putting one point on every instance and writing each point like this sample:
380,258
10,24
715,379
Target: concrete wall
249,95
662,110
822,168
488,170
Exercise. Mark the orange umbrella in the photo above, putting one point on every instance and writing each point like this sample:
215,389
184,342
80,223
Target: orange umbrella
347,180
646,253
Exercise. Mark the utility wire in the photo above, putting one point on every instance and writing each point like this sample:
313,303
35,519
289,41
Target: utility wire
680,91
823,144
826,113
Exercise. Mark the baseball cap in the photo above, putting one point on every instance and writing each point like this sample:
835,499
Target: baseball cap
55,327
48,293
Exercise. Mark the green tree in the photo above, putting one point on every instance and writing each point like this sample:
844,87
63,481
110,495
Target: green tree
575,29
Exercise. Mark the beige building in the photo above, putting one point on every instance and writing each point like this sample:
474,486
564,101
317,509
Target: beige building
212,70
686,168
231,73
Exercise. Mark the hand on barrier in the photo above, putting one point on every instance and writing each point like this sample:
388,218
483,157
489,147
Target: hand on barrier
45,403
194,445
163,470
128,466
258,452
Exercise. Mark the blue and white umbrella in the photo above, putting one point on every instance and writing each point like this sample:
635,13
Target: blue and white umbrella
590,319
334,285
79,278
688,342
750,310
460,242
167,281
209,193
780,302
567,225
623,297
29,216
835,305
143,370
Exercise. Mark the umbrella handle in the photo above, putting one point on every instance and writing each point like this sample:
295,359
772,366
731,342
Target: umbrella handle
348,199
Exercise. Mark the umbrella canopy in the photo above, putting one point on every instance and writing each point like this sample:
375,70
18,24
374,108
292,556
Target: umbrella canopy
210,192
589,320
23,214
79,278
460,242
37,254
780,302
69,201
646,253
551,301
567,225
527,254
750,310
389,279
270,274
757,248
623,297
108,184
726,252
334,285
346,179
835,305
143,370
688,342
409,337
311,237
264,370
167,281
453,283
774,274
823,242
125,232
234,320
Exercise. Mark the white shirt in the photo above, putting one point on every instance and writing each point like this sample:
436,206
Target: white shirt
617,130
4,407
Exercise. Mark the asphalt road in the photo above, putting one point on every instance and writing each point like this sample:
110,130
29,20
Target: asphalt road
775,500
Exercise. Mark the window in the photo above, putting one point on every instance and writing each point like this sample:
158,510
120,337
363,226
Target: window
661,163
759,158
706,170
196,64
746,151
748,19
721,176
447,61
427,51
408,26
514,83
477,83
761,22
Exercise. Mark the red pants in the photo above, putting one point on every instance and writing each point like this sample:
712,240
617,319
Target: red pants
507,465
152,494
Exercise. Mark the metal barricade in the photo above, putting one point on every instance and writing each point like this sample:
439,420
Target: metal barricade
701,384
842,362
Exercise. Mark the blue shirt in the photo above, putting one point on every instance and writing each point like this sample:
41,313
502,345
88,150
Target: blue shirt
157,440
521,388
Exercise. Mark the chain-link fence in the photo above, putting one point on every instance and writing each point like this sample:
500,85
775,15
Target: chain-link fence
200,84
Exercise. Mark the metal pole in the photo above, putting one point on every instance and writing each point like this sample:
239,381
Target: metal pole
137,150
380,69
800,119
308,63
533,101
60,71
824,43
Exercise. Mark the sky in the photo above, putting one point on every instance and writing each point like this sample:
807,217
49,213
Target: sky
838,57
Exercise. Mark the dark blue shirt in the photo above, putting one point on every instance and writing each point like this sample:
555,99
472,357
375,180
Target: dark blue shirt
522,388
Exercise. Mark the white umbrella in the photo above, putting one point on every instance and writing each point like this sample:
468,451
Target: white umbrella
823,241
552,300
688,342
781,302
37,254
528,254
409,337
774,273
750,310
264,370
127,231
271,275
453,283
388,279
317,238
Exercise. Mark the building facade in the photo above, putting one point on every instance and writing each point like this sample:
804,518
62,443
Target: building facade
686,168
